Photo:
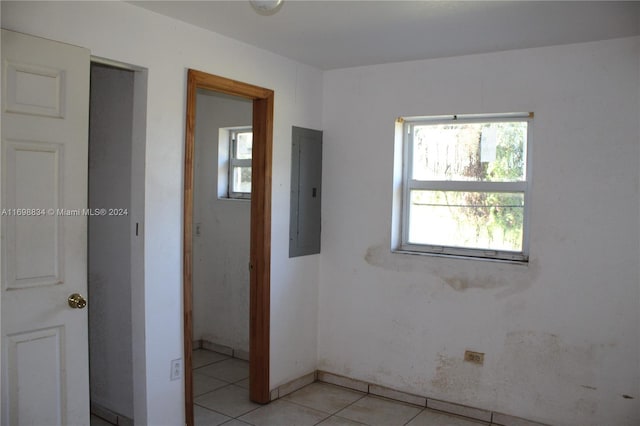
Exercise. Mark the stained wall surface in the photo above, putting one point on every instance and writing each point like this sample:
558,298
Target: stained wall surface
561,334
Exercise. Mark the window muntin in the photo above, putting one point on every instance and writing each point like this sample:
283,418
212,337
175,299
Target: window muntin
465,185
240,149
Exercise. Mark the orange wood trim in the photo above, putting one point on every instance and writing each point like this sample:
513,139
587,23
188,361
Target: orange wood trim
187,294
260,251
228,86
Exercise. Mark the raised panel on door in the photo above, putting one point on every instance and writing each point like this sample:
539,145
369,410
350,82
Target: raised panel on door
34,242
45,101
34,90
35,361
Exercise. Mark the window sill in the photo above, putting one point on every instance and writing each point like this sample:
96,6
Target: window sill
234,199
458,256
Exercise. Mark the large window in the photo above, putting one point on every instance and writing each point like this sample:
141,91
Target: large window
465,185
240,147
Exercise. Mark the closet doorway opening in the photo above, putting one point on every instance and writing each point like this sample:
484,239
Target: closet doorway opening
115,241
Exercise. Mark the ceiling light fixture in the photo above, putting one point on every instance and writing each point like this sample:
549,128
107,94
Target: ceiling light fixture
266,7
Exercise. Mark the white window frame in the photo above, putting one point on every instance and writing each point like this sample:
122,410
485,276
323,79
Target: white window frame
236,162
472,186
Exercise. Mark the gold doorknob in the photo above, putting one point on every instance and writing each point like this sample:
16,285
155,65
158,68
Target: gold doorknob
76,301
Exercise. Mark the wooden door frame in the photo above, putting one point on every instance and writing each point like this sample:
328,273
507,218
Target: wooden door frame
260,245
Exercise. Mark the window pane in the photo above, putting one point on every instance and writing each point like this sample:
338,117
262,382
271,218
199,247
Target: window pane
479,220
244,143
242,179
470,151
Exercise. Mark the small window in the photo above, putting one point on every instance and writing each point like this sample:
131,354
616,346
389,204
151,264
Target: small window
240,147
465,185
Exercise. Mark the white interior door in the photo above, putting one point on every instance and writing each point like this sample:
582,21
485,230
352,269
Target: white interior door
45,102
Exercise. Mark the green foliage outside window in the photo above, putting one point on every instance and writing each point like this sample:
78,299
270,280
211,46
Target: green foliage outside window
455,152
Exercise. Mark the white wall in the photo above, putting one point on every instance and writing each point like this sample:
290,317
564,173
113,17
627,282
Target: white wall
560,334
167,47
109,287
221,251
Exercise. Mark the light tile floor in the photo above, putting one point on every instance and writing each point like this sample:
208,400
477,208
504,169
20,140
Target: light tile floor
222,398
221,391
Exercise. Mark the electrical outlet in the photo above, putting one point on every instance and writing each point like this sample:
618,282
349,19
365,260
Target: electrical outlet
474,357
176,369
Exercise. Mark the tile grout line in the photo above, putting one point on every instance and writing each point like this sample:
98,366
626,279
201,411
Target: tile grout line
212,377
211,363
320,411
250,411
304,406
349,405
212,390
215,411
466,418
417,414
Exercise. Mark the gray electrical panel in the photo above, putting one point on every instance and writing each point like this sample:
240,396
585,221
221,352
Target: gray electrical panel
306,192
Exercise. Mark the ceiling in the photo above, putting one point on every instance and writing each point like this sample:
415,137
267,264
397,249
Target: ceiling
339,34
